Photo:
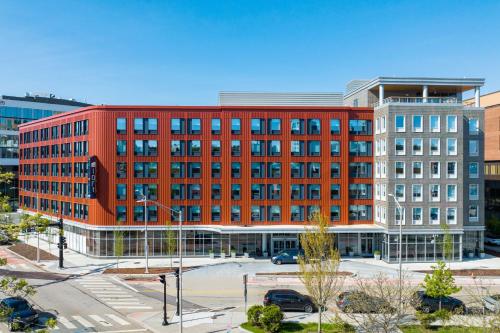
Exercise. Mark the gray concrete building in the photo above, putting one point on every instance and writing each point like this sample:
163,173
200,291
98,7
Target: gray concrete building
429,153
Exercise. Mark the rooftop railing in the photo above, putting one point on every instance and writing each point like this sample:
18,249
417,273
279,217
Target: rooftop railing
418,100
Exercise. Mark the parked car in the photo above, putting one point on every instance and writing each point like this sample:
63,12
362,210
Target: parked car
290,300
20,314
427,304
492,303
289,256
360,302
492,241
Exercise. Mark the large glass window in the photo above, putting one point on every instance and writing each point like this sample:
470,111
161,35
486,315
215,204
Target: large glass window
297,191
473,191
399,121
417,124
235,170
257,148
297,126
194,126
417,146
274,126
258,191
297,148
236,191
121,147
451,146
473,170
417,215
194,170
313,191
335,170
274,191
417,170
257,213
274,170
360,127
360,170
216,127
359,148
473,148
335,148
417,195
258,126
216,192
335,126
360,212
297,169
451,124
314,148
146,126
215,149
473,126
314,126
435,123
177,191
274,213
274,148
236,126
121,213
435,146
216,170
121,191
451,193
313,170
235,148
177,170
258,170
177,148
399,167
335,191
400,146
297,213
177,126
121,126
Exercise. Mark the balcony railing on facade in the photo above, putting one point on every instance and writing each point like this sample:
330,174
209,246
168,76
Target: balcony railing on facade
418,100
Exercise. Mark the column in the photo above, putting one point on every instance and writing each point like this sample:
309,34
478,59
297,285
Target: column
481,240
381,94
264,244
461,247
359,244
425,93
477,97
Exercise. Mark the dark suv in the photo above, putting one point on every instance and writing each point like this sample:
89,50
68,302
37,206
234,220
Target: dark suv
290,300
360,302
19,313
427,304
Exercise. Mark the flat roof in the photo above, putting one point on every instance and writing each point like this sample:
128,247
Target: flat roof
46,100
463,83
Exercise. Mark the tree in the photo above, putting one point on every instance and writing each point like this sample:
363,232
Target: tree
34,223
440,283
447,242
170,241
319,266
118,245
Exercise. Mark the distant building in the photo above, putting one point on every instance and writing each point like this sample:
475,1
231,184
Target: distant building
16,110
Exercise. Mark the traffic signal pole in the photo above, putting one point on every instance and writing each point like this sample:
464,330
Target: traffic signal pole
164,281
61,244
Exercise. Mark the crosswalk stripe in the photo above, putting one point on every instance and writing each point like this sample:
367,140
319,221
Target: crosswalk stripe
65,322
131,307
100,320
83,321
110,292
118,319
136,302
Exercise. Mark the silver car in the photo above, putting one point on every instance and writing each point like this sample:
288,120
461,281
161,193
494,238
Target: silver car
492,241
492,303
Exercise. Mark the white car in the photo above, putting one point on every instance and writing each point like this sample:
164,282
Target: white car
492,303
492,241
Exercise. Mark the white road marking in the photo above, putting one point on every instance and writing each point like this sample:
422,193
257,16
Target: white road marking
118,319
100,320
124,284
130,307
131,302
124,331
65,322
83,321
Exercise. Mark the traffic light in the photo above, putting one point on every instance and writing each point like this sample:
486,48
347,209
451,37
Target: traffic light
176,273
162,278
64,244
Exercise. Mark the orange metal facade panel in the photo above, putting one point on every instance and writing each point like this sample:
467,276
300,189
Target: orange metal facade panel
102,139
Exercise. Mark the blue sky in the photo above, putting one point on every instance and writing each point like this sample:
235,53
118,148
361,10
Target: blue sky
184,52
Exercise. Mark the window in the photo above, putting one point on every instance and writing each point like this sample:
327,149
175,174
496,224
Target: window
399,121
473,126
216,170
274,126
216,128
146,126
451,124
257,213
194,126
400,169
145,147
216,192
474,170
194,170
177,170
360,191
297,170
258,170
435,170
297,126
194,213
236,126
297,148
273,191
313,126
358,148
313,209
258,191
236,191
121,147
360,170
434,215
274,170
473,148
274,148
235,148
400,145
121,170
257,147
473,213
121,213
177,126
435,146
314,192
177,192
417,146
434,190
382,124
451,146
297,213
297,191
417,124
335,148
121,191
434,122
215,149
145,169
235,170
215,213
335,191
399,216
194,191
335,213
416,215
473,192
335,170
313,170
416,193
313,148
451,193
451,168
177,148
400,192
360,127
334,126
121,126
257,126
417,170
360,212
451,215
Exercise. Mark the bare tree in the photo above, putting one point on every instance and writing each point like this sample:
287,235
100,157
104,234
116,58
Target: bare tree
319,266
478,314
374,306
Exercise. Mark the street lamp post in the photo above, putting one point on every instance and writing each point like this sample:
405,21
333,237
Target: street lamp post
400,245
146,247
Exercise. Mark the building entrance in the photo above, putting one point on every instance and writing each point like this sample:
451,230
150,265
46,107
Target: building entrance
284,244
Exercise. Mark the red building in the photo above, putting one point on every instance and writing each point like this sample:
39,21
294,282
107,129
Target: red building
245,178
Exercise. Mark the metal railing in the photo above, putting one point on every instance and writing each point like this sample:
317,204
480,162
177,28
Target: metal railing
418,100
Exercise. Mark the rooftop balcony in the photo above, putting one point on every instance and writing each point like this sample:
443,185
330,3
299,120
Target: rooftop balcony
422,100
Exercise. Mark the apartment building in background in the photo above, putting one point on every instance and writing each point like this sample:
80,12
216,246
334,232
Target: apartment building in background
429,156
14,111
247,177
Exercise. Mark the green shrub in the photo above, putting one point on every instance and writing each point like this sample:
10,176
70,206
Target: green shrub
253,314
340,326
270,318
427,319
